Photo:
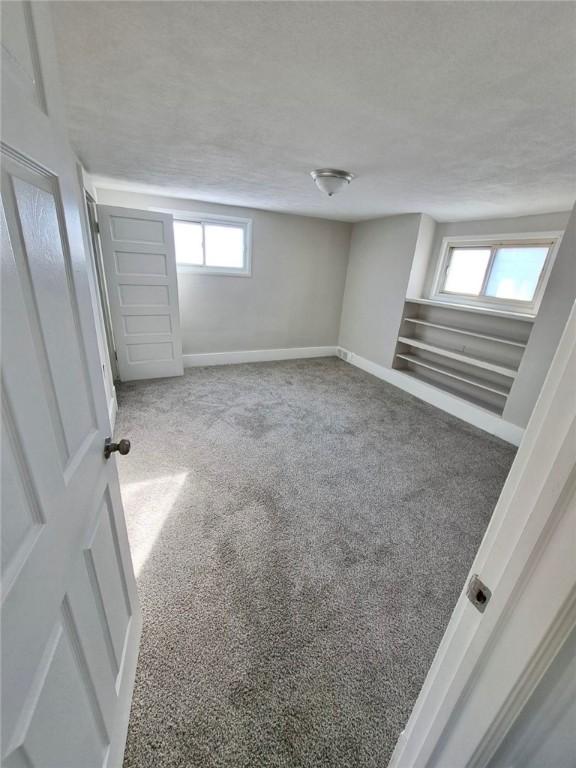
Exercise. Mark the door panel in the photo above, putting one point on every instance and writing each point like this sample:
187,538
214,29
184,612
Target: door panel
104,565
148,324
23,519
70,615
143,295
45,272
140,264
63,668
130,263
19,40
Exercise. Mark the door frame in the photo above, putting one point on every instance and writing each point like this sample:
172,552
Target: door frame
488,664
91,213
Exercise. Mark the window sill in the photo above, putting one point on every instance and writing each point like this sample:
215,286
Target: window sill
189,269
475,309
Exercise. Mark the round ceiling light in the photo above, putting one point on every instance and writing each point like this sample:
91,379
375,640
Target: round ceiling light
330,180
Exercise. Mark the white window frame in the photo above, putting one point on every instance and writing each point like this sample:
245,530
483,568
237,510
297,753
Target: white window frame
494,241
225,221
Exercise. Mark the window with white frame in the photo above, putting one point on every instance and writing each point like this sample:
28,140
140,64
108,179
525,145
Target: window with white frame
510,274
211,245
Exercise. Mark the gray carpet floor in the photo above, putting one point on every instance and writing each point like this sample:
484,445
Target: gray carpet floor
301,532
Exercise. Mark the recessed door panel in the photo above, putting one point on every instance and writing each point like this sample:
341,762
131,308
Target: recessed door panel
19,39
135,325
143,353
22,518
136,230
130,263
67,732
110,590
143,295
49,274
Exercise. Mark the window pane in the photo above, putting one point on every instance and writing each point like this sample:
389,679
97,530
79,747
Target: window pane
188,242
224,246
466,270
515,272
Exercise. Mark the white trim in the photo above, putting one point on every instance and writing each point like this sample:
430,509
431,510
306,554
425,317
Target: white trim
214,218
468,412
256,356
528,307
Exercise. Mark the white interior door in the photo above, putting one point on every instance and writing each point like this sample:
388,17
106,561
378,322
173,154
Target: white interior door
70,615
140,265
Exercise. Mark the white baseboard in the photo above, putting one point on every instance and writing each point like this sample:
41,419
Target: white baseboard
256,356
479,417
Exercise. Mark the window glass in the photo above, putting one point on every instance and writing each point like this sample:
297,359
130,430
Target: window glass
466,270
224,246
515,272
188,242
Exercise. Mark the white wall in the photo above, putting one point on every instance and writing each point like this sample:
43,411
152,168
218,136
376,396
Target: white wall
421,260
379,267
293,298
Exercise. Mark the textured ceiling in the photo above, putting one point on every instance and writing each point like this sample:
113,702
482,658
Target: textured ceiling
457,109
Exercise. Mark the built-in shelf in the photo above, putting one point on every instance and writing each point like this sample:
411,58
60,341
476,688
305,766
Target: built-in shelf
477,398
451,355
485,336
474,310
469,352
452,374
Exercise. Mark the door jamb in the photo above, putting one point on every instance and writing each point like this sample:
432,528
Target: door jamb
96,256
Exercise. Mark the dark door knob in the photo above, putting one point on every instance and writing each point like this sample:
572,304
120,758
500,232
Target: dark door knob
123,447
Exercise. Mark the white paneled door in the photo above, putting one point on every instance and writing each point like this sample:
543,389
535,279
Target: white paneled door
70,615
140,265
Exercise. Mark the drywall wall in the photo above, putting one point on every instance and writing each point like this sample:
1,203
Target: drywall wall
557,302
292,299
422,255
379,267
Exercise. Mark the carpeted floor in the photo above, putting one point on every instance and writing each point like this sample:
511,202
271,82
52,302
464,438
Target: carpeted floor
301,532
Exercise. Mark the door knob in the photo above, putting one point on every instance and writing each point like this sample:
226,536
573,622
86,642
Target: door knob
123,447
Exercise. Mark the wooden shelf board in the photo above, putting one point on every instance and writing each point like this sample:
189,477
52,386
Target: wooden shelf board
448,353
452,374
478,403
475,310
476,335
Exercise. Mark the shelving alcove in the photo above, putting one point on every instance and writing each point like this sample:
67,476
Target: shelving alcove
469,352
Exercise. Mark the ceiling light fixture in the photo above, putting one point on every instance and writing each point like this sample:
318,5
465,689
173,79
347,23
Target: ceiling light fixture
330,180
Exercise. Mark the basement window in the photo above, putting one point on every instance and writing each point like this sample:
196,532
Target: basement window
508,274
212,246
